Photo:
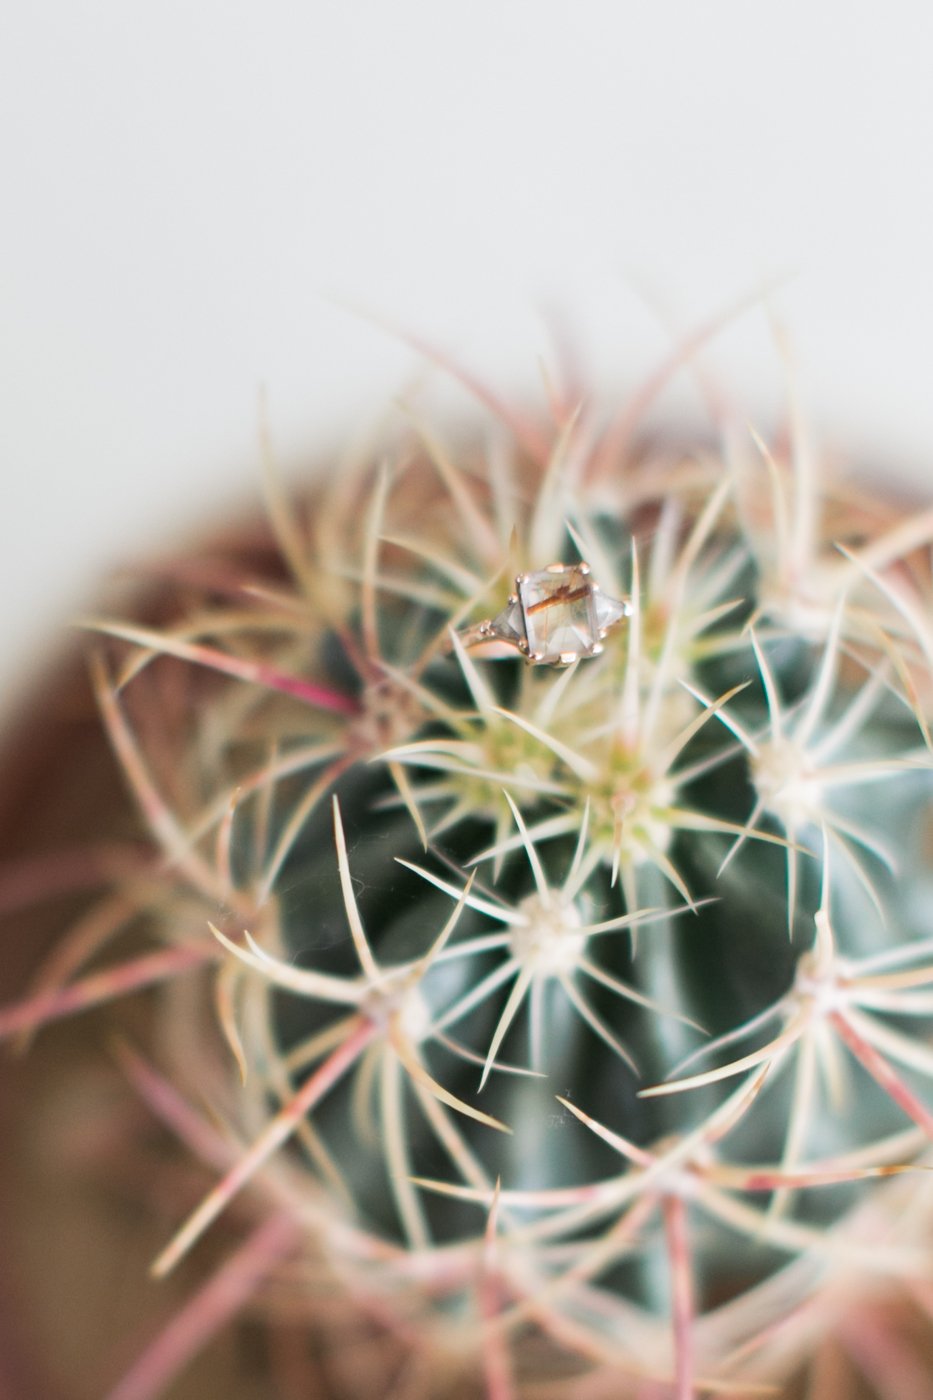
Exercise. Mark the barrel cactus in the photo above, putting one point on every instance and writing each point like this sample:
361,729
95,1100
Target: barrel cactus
536,919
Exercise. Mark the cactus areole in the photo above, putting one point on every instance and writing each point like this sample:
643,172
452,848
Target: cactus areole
539,955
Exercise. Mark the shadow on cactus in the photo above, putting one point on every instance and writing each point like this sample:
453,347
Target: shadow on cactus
552,1025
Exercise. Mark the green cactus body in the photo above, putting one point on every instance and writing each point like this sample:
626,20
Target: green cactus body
583,1009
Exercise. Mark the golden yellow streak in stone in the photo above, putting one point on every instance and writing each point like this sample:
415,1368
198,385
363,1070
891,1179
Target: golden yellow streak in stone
560,596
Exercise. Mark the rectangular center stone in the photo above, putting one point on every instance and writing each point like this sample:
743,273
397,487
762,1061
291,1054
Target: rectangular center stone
559,613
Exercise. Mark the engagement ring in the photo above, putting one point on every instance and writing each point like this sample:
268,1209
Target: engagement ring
554,617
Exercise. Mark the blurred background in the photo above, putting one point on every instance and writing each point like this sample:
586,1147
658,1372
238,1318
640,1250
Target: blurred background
195,194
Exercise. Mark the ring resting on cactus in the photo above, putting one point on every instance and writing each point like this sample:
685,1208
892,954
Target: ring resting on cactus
555,617
544,1029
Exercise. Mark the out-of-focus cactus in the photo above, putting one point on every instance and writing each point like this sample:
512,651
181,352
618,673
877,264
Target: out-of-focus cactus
549,1026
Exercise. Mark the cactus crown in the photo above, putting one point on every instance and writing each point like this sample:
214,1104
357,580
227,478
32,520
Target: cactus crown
582,1009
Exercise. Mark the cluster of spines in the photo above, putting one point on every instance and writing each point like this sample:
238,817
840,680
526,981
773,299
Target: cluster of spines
604,755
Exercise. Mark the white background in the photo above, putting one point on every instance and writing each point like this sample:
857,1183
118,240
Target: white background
187,187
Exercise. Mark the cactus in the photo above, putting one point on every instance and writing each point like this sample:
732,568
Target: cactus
537,920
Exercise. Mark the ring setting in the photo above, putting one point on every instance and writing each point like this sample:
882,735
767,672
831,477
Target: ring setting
555,617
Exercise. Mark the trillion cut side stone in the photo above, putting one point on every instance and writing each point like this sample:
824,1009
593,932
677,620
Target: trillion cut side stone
609,611
509,626
560,614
